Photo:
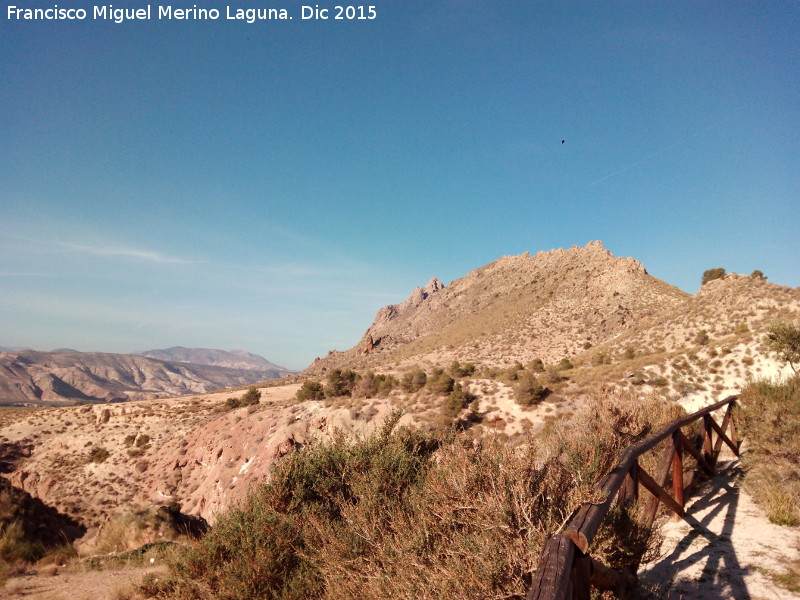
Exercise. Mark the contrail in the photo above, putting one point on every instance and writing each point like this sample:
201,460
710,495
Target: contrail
641,160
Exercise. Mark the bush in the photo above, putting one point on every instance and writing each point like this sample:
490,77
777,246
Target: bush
371,385
629,354
536,365
457,370
758,274
340,383
702,337
769,417
98,455
528,391
455,402
414,380
310,390
564,364
712,274
251,396
783,338
404,514
440,382
601,358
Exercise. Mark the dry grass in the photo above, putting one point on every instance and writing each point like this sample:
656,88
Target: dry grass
769,419
406,514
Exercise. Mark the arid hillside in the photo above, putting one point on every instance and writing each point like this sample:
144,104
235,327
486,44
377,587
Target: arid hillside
559,304
568,324
79,377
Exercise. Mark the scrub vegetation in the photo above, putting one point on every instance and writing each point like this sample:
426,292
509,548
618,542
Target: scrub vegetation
406,513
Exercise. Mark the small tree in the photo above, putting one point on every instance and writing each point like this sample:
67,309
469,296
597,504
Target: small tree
783,338
310,390
251,396
758,274
340,383
528,391
712,274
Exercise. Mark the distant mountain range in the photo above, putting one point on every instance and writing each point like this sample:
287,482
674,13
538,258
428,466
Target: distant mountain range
67,376
235,359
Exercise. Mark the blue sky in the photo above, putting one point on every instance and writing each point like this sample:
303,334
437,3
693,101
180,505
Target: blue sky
269,186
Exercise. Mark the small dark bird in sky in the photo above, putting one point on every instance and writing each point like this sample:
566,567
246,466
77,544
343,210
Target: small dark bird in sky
562,141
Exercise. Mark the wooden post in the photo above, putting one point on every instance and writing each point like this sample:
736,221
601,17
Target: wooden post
677,471
724,426
629,490
732,426
581,577
662,475
708,449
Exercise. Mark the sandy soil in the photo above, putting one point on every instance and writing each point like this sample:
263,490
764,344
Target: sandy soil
725,549
82,585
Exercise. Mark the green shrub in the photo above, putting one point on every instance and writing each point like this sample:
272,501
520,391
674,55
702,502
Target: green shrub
440,382
629,353
536,365
564,364
340,383
601,358
414,380
712,274
528,391
702,337
310,390
783,338
98,455
250,397
457,370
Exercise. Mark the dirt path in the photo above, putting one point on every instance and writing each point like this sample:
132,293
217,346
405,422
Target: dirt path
726,548
86,585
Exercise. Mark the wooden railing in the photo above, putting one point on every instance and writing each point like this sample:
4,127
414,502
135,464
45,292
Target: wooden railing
566,570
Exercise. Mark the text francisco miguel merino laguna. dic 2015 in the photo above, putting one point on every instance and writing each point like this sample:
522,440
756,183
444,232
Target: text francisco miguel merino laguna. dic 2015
108,12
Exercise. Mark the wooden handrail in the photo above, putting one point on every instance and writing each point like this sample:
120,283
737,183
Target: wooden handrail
565,567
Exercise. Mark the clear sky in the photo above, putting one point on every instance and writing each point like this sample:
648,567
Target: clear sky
269,186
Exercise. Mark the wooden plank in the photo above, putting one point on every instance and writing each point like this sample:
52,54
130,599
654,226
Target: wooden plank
687,445
732,427
581,577
662,475
552,576
659,492
724,437
677,472
708,449
724,426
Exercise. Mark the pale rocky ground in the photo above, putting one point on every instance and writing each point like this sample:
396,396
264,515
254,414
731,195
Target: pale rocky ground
725,549
78,584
